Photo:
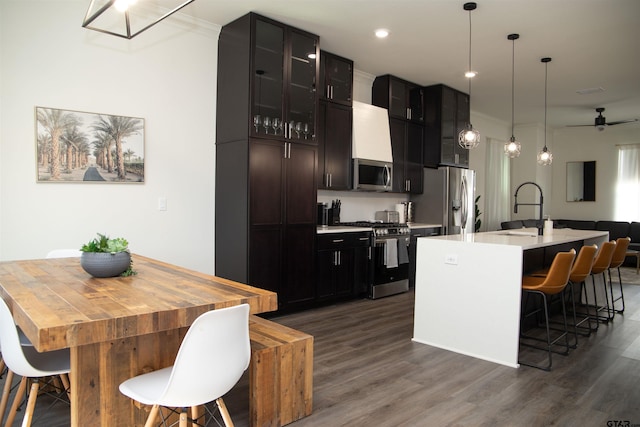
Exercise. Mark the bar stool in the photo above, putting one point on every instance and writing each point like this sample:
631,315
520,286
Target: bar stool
622,244
600,266
552,284
579,272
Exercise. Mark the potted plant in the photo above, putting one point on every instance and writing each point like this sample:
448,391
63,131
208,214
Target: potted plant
105,257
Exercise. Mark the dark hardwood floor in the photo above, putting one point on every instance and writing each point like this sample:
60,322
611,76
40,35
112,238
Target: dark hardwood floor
368,372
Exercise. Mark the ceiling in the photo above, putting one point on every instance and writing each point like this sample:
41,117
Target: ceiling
592,43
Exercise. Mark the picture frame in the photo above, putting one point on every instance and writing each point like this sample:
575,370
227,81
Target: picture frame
83,147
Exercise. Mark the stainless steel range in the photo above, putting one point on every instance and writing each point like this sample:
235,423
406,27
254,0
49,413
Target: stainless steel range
390,257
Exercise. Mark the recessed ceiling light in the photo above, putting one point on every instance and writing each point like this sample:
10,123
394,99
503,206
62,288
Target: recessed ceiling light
382,33
470,74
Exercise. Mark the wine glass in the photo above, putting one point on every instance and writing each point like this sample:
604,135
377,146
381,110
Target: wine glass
298,129
257,121
306,130
266,123
276,123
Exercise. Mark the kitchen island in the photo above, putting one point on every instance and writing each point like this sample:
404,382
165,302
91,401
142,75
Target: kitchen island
468,288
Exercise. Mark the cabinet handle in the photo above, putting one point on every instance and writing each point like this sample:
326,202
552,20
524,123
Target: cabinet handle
337,241
330,179
328,91
369,255
457,158
339,259
331,91
362,239
409,113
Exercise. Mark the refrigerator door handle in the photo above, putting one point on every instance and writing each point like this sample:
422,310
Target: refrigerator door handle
464,195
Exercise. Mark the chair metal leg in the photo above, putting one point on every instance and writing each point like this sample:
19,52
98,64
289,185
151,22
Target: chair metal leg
597,317
620,298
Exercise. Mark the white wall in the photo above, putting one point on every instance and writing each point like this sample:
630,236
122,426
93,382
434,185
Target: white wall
166,75
585,144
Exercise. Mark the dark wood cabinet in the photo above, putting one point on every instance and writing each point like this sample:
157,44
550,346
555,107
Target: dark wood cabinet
446,114
277,67
334,146
403,99
266,177
343,265
406,147
336,77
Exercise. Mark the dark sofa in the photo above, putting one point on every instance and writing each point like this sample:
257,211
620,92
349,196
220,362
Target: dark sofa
616,230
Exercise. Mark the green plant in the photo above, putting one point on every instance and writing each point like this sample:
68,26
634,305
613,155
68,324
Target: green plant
104,244
478,213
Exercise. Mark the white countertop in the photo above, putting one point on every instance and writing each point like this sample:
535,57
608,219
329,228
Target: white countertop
341,229
413,225
526,238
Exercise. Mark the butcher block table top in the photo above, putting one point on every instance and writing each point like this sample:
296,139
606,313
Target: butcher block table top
115,327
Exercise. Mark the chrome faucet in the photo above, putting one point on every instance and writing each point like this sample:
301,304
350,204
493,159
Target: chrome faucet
515,206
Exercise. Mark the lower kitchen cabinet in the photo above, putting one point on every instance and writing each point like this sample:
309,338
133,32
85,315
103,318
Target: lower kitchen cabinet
343,265
415,233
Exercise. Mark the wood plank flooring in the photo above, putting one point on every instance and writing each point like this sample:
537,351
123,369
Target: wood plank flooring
367,372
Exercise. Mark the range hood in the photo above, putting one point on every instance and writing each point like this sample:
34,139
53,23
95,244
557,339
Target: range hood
371,134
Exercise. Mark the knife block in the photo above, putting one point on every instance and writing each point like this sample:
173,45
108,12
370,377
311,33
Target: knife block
334,216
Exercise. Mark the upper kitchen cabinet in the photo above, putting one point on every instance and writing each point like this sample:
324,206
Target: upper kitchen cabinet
407,146
336,76
275,67
403,99
335,122
446,114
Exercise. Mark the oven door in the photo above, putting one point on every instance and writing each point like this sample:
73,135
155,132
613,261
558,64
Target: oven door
390,266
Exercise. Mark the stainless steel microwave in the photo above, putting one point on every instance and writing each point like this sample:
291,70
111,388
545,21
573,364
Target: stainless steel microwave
372,175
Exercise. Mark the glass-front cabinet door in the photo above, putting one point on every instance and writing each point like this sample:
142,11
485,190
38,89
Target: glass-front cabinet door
301,91
268,79
285,70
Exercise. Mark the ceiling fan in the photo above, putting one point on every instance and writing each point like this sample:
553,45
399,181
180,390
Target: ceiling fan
600,122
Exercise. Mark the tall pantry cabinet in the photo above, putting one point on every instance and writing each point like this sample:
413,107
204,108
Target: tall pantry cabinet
267,157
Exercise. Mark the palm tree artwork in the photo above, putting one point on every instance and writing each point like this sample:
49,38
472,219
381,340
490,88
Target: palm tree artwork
78,146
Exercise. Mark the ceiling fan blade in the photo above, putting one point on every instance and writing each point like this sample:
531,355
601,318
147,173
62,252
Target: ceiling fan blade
621,121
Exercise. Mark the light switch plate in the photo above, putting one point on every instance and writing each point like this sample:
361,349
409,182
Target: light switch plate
162,203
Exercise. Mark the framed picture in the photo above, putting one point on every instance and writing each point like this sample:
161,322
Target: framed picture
74,146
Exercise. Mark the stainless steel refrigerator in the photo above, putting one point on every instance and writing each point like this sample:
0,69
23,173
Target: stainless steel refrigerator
448,199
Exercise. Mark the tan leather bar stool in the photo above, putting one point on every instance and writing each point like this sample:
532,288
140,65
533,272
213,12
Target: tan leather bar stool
622,244
600,266
553,284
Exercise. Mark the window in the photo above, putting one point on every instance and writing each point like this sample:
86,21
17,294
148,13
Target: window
627,197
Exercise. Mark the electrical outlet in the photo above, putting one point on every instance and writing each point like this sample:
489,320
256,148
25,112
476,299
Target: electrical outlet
451,259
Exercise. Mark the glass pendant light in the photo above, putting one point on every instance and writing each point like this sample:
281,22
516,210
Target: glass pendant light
512,147
469,137
545,157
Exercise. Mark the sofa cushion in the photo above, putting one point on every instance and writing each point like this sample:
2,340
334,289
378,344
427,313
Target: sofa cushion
510,225
634,232
580,224
616,229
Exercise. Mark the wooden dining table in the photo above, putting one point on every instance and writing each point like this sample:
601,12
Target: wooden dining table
116,327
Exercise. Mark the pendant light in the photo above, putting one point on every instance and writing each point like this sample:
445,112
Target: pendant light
512,147
469,137
545,157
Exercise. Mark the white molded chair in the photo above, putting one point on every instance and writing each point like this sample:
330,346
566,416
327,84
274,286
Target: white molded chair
29,364
212,357
64,253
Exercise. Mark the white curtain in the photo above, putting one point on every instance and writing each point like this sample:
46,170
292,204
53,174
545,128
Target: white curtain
497,184
628,183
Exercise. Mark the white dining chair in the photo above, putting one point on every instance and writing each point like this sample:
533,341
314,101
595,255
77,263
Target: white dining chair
64,253
212,357
26,361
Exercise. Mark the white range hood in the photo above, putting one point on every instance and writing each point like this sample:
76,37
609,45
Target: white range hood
371,135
